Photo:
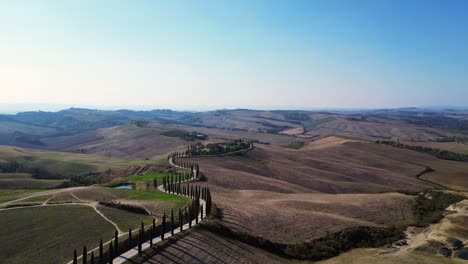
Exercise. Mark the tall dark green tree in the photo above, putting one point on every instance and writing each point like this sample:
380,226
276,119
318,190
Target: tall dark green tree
190,216
139,243
111,253
116,241
163,226
75,259
172,222
201,212
85,255
196,213
186,214
92,257
151,236
130,236
155,183
101,252
181,220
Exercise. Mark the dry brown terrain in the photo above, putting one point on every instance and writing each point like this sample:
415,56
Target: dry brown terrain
352,167
376,129
127,141
290,218
423,245
289,195
202,246
246,120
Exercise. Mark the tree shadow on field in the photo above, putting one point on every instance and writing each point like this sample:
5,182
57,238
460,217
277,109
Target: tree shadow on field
225,216
223,245
197,245
185,250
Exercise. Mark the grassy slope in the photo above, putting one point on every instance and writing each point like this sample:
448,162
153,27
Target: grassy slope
312,123
130,141
9,195
125,220
63,162
25,181
148,177
153,196
29,183
50,234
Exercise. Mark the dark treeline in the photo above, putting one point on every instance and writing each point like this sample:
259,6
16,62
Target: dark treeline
125,207
187,136
35,171
438,121
441,154
192,191
224,148
463,140
430,206
318,249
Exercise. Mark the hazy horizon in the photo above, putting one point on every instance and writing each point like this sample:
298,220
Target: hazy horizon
243,54
18,108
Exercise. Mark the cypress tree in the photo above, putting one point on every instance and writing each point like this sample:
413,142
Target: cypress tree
116,239
172,222
111,255
155,183
92,257
154,224
130,237
101,252
196,214
181,220
151,237
142,229
190,217
75,259
163,226
85,255
201,212
186,214
139,243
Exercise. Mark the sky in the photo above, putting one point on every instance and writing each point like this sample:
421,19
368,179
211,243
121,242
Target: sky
227,54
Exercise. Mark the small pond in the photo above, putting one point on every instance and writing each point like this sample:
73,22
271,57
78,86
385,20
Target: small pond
124,186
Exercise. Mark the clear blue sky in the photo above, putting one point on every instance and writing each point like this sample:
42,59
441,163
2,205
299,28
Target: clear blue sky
257,54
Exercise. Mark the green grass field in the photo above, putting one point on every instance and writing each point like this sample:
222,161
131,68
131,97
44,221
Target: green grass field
63,198
15,176
155,196
125,220
25,181
65,164
312,123
148,177
9,195
50,233
30,183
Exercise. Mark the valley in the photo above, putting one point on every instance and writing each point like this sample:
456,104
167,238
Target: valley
327,174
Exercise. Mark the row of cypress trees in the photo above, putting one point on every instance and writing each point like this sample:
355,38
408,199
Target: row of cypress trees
115,248
194,212
172,184
226,148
